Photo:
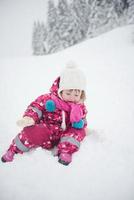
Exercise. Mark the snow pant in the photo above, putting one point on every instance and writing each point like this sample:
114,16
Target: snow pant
40,135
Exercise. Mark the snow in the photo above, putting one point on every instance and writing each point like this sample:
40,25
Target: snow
104,166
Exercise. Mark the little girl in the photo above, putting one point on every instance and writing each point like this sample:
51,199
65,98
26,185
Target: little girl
56,120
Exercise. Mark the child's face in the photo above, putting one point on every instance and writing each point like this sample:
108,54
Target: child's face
71,95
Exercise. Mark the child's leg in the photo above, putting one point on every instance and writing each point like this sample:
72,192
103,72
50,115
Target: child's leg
69,143
30,137
20,144
66,147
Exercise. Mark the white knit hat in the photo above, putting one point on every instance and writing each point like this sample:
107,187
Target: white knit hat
72,78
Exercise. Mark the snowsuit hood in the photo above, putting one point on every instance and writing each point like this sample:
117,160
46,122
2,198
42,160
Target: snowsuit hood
55,87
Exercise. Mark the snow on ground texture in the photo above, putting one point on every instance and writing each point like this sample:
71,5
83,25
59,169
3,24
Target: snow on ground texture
104,166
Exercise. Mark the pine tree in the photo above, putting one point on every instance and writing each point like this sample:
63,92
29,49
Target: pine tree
70,23
73,31
112,15
67,26
63,23
51,15
93,17
52,41
39,35
103,17
120,6
62,8
64,30
130,11
82,12
70,29
121,9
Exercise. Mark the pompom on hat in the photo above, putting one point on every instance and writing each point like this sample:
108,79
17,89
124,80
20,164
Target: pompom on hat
72,78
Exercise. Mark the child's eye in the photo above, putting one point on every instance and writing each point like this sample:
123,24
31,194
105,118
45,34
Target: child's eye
67,93
76,95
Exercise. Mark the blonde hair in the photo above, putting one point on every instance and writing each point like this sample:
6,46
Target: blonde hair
83,96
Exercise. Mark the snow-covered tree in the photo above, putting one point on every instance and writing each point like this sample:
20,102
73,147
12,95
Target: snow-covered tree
113,19
130,13
93,16
52,40
81,12
63,23
63,8
68,26
120,6
72,21
121,9
63,26
102,17
39,35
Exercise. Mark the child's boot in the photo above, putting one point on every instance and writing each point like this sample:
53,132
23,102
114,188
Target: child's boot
8,156
65,158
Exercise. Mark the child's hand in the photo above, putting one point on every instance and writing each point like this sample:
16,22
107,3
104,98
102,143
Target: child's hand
50,106
25,121
79,124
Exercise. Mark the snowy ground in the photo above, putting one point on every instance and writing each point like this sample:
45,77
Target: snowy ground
104,166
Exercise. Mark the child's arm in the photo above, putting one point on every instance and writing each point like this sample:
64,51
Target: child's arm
78,118
34,112
35,109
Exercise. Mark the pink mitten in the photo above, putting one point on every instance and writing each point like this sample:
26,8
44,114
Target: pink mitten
76,113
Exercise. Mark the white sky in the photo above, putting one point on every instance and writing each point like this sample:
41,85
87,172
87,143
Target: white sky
16,22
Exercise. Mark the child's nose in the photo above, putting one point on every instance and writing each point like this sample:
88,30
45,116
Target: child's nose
72,98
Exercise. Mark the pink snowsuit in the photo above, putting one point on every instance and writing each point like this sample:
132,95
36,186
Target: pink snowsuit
47,131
